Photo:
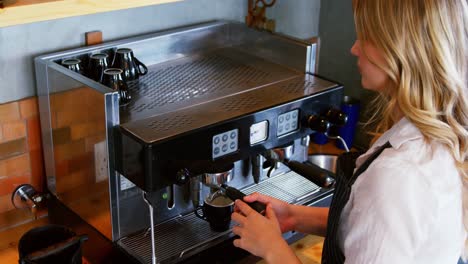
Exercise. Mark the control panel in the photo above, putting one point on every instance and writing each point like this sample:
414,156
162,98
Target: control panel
287,122
225,143
228,142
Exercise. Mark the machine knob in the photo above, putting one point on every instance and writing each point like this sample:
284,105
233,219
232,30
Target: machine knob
318,123
182,176
336,117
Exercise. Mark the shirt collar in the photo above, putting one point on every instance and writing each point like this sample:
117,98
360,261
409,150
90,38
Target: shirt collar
401,132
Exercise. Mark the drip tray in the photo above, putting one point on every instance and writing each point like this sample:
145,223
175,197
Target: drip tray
186,235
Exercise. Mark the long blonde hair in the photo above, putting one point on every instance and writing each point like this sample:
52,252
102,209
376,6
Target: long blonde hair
425,47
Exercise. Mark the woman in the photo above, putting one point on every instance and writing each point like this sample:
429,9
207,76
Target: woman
403,204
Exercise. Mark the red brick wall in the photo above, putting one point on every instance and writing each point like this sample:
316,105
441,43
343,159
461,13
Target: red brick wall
21,159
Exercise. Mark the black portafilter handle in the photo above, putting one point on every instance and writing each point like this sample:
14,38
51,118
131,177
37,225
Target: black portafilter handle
235,194
312,172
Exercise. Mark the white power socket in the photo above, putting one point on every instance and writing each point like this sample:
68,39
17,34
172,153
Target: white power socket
101,161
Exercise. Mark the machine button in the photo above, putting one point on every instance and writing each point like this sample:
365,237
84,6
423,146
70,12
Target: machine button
224,148
288,117
294,114
233,134
286,127
216,151
225,137
280,129
293,126
232,145
281,119
216,140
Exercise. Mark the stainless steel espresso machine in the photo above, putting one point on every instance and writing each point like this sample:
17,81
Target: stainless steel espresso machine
221,103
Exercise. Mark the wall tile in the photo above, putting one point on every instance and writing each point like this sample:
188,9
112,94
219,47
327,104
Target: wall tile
37,169
68,118
61,135
5,203
61,168
14,130
87,129
12,148
8,184
70,150
93,140
29,107
73,180
83,162
34,133
15,166
9,112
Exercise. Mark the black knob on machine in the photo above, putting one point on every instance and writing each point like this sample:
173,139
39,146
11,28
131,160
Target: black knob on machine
318,123
336,117
182,176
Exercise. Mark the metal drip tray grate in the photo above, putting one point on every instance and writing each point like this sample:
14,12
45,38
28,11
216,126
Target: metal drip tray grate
186,235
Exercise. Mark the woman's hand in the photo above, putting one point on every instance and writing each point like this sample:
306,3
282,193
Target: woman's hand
260,235
282,210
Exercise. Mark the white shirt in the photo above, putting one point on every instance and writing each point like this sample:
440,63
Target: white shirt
407,206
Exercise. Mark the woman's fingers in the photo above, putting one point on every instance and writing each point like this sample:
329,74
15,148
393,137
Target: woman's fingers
237,243
269,213
257,197
238,218
244,208
237,230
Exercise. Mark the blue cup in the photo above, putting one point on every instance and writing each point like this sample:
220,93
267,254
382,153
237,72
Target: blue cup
351,107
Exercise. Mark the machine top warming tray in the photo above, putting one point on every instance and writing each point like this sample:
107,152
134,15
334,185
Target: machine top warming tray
204,89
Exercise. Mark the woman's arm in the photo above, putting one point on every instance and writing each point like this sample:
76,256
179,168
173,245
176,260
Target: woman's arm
310,220
304,219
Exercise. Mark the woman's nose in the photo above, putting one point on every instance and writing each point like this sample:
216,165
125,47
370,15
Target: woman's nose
355,48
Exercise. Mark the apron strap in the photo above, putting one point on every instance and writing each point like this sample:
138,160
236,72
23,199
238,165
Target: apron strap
332,253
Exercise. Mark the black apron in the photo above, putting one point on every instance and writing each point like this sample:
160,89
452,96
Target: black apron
345,178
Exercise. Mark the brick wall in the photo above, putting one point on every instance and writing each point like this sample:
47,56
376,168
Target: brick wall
21,159
78,123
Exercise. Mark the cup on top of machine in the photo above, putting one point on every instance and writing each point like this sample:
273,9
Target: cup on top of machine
98,62
112,78
73,64
132,67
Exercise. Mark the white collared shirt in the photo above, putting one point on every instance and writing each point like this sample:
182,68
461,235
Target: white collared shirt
407,206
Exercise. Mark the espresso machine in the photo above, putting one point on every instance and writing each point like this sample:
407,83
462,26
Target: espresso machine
221,104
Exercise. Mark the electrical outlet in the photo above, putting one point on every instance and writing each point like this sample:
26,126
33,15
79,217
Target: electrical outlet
101,161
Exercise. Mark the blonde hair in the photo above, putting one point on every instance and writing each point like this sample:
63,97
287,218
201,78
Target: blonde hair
424,44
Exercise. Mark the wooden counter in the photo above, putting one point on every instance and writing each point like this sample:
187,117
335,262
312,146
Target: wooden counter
308,249
28,11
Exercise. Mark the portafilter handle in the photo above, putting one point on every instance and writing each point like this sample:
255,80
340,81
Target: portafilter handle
312,172
234,194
